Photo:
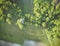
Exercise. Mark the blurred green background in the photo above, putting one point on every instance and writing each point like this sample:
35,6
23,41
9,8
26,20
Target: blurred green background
37,20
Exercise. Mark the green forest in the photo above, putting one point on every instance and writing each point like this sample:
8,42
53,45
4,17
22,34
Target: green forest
37,20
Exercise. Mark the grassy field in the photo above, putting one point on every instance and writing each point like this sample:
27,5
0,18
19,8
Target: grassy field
12,33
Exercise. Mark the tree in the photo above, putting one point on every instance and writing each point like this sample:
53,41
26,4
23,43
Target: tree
48,11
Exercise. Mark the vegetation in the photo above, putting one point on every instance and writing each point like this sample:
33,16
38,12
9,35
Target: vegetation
46,14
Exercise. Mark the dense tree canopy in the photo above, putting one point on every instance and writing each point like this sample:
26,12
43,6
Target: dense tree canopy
48,16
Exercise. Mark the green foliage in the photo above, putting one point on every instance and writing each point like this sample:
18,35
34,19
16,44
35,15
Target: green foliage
49,17
9,12
46,13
